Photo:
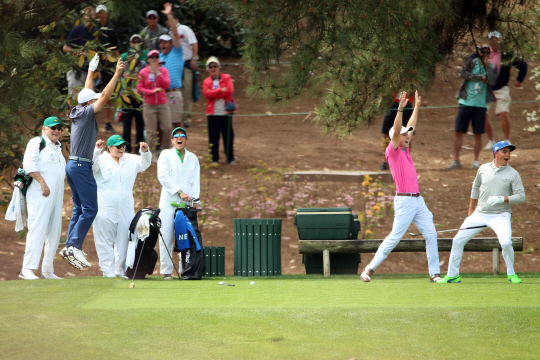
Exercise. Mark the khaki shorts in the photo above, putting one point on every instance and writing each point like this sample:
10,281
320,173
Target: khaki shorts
74,82
503,100
176,104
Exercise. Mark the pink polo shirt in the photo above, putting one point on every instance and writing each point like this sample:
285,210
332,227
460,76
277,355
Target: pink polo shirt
495,58
403,170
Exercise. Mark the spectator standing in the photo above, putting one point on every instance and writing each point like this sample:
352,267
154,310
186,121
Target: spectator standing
153,81
474,95
503,61
75,42
172,57
133,109
153,31
44,162
218,90
107,39
190,48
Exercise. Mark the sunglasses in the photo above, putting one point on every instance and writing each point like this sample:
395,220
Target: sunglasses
153,57
152,17
136,41
176,136
486,52
213,66
123,146
59,128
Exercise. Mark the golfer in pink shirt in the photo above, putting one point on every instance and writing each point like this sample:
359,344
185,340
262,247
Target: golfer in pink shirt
409,206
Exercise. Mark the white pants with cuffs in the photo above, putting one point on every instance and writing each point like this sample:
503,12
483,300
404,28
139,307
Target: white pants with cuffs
409,209
499,223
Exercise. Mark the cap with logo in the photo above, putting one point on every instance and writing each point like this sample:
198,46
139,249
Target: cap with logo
52,121
178,129
503,144
86,95
165,37
116,140
101,8
404,130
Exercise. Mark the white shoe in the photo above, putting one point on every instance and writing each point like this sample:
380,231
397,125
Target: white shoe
109,275
27,274
50,276
79,256
67,255
123,277
489,145
475,165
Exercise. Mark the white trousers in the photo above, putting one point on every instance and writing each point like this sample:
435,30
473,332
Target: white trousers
167,230
409,209
499,223
44,225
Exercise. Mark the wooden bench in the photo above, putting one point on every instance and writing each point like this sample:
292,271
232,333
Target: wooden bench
407,245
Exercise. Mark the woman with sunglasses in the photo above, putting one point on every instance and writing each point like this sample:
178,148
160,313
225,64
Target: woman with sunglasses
218,90
44,162
115,172
153,81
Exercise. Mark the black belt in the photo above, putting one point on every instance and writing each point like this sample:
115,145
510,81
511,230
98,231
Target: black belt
408,194
78,158
169,90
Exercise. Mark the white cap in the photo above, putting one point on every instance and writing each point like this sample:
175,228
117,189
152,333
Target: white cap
102,8
152,12
135,36
165,37
494,34
212,59
404,130
86,95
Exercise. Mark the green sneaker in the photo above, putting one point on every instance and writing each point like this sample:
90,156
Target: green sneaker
514,279
447,279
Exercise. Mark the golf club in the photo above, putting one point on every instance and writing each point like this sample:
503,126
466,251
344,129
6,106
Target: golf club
223,283
442,231
177,273
132,285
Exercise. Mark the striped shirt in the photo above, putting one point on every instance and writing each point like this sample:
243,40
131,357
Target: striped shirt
174,62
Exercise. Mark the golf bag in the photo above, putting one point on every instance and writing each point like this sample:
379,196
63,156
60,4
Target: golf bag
145,255
188,243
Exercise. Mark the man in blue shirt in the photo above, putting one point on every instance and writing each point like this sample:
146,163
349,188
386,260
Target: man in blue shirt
473,95
173,58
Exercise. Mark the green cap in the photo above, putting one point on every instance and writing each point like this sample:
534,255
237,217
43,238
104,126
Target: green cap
52,121
116,140
178,129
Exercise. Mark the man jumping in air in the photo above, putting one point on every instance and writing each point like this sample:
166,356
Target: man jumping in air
409,206
496,186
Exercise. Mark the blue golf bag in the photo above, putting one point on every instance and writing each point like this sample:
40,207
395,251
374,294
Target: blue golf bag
188,243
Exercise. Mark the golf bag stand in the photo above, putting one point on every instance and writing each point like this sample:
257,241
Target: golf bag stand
145,254
191,256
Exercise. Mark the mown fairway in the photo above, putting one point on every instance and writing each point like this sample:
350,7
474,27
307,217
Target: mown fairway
287,317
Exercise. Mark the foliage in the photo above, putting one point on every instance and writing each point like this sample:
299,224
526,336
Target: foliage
356,53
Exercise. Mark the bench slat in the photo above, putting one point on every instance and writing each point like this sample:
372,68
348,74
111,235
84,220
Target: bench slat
405,245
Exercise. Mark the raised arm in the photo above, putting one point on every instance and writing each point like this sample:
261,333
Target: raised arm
167,11
398,122
109,89
414,116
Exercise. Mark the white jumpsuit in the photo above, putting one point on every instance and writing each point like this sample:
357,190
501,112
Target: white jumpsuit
174,175
115,207
44,213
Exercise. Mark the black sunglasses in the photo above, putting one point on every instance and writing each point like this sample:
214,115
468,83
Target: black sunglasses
213,67
152,17
153,57
123,146
59,128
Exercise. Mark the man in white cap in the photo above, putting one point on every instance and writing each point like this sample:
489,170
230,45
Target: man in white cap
503,61
172,57
409,206
496,186
153,31
79,174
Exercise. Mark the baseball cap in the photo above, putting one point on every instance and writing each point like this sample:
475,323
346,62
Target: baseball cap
102,8
116,140
152,12
52,121
212,59
135,36
152,52
502,144
494,34
165,37
178,129
86,95
404,130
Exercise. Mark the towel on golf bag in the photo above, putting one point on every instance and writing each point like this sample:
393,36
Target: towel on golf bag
142,231
16,210
145,257
191,255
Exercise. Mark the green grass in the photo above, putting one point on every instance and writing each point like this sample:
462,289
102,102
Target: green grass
286,317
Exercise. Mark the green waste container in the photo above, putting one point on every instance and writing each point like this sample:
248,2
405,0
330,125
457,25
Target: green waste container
355,229
214,261
340,264
257,247
324,223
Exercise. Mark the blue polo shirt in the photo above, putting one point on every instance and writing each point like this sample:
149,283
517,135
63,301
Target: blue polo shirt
80,35
174,62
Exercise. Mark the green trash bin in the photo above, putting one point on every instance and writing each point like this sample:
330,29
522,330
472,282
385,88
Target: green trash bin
214,261
324,223
257,247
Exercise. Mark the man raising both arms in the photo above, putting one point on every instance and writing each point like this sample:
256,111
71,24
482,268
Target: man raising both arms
409,206
496,186
84,129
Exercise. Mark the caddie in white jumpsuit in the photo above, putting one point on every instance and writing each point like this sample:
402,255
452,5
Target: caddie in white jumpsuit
409,206
44,198
115,172
179,173
496,186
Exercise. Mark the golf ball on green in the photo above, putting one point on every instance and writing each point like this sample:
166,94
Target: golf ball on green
252,283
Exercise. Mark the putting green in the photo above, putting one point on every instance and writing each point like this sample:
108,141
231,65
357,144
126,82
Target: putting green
301,317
